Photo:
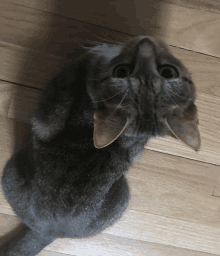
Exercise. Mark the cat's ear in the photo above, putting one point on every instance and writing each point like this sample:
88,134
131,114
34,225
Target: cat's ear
184,126
109,124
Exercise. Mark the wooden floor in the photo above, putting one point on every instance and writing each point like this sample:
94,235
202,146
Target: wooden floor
175,192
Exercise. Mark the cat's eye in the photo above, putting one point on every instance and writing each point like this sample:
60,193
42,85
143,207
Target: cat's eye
122,71
168,71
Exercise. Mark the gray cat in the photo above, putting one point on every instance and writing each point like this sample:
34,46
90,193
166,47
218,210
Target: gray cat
93,119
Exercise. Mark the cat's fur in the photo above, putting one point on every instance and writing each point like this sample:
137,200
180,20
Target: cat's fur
69,180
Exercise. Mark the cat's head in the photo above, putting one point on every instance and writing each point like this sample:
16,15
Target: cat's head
140,89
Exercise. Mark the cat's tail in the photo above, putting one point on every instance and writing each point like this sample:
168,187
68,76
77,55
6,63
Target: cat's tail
22,241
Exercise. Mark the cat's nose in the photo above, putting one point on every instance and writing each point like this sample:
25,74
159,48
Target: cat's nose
147,39
146,46
146,65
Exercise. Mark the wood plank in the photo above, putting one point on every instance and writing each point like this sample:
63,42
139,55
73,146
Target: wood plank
204,70
101,13
216,191
167,231
205,5
187,175
23,103
174,187
5,208
5,96
7,224
13,134
48,253
34,68
159,195
191,29
209,121
27,67
48,33
103,244
4,156
106,244
181,26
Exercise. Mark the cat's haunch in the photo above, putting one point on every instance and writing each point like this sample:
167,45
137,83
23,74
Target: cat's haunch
93,119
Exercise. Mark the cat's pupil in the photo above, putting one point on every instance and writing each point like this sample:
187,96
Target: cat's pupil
122,71
168,72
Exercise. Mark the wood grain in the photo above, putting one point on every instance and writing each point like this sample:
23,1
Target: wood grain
48,33
204,5
27,67
174,187
103,244
32,63
192,29
188,175
35,69
23,103
48,253
5,96
179,233
106,244
216,191
181,26
7,224
4,156
13,134
4,205
204,70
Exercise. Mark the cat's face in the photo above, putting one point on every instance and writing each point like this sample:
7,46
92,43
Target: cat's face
140,88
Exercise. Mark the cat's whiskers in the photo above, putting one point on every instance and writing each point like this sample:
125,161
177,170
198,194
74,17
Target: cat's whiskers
176,93
172,99
121,101
168,126
110,97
